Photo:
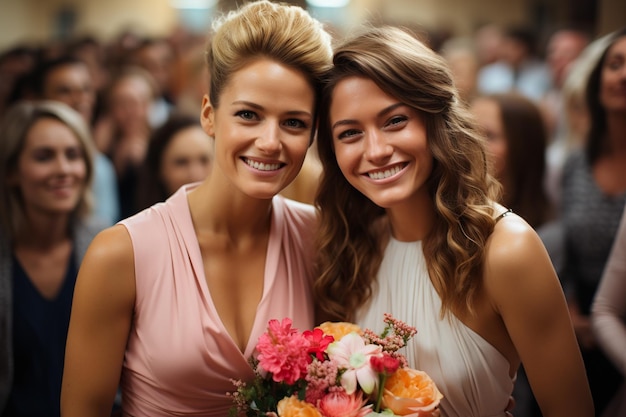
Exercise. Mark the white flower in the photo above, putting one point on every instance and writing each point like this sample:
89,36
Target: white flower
353,355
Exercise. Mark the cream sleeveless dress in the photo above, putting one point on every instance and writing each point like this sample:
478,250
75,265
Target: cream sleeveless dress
471,374
180,359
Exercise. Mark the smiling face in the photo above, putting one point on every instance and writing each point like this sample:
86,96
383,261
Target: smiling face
186,158
51,169
380,143
262,127
613,78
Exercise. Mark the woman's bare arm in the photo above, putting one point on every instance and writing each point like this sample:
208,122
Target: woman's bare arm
101,317
528,296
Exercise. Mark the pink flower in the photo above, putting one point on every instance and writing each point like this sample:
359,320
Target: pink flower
340,404
319,342
283,352
352,354
321,377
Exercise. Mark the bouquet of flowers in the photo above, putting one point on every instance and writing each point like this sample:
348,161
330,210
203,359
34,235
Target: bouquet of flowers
334,370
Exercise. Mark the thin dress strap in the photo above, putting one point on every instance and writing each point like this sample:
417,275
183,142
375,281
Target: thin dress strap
506,213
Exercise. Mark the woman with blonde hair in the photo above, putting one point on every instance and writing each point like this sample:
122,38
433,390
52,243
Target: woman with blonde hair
45,228
174,299
410,226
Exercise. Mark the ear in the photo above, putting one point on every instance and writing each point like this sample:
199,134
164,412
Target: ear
207,116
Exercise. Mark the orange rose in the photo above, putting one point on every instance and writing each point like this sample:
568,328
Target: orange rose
293,407
409,392
339,329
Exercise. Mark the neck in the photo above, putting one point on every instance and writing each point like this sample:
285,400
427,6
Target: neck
43,231
412,220
219,209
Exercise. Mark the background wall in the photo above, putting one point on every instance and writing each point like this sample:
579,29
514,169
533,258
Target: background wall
43,20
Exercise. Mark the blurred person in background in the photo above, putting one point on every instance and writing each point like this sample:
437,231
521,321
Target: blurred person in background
488,39
191,79
608,315
93,53
179,153
516,140
593,200
67,79
518,69
157,56
15,65
563,47
45,228
124,133
460,53
574,116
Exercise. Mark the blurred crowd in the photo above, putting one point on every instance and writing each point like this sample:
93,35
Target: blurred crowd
130,86
125,90
550,112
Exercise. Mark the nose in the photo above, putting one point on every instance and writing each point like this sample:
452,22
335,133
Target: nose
63,165
268,140
376,147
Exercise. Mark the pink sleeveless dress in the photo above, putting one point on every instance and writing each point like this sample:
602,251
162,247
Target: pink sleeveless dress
180,359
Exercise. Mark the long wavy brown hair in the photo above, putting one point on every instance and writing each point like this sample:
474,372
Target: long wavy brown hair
350,235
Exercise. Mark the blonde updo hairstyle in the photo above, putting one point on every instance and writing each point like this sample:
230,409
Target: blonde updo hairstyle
284,33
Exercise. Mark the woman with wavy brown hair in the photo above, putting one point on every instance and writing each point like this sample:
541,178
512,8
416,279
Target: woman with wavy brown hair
409,226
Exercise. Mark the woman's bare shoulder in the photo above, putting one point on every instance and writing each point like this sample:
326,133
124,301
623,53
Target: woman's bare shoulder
111,244
109,260
517,263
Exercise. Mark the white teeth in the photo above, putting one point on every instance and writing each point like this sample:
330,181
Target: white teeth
384,174
261,166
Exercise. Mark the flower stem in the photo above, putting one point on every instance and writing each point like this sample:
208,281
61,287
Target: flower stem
379,395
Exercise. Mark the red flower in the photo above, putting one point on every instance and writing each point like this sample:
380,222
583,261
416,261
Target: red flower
318,341
384,364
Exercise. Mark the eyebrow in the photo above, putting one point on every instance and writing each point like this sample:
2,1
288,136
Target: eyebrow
381,113
259,107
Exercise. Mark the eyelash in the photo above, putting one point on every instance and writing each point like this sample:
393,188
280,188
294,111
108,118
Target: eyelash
392,122
396,120
300,124
242,114
348,133
249,115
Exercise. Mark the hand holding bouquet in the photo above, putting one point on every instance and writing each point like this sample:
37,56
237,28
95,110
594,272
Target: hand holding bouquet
335,370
